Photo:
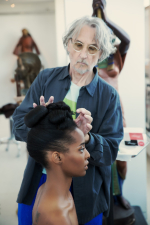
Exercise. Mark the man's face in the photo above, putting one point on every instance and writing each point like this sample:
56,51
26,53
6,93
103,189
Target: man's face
82,62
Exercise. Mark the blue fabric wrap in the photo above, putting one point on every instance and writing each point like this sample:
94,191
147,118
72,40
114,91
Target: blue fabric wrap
25,211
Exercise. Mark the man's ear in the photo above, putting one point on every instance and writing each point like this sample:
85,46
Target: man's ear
100,53
56,157
68,46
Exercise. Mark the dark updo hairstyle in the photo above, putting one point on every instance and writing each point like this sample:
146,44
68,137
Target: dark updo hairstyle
51,129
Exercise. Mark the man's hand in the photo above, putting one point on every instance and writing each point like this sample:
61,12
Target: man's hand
84,121
42,101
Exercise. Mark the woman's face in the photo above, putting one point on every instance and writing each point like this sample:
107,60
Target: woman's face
75,160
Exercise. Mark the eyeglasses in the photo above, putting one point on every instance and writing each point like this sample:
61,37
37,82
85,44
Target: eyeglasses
78,46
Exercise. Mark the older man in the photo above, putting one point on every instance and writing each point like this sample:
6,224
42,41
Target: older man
87,41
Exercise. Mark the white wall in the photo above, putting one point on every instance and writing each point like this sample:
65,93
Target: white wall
60,29
130,16
42,29
76,9
132,77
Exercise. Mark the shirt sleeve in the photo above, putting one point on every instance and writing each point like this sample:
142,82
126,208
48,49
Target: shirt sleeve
103,146
20,130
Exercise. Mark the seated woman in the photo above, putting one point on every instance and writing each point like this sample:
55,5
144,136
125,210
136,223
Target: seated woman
58,145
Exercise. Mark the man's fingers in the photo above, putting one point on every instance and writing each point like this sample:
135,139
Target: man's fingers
34,105
83,111
80,116
89,119
51,100
78,121
42,101
89,127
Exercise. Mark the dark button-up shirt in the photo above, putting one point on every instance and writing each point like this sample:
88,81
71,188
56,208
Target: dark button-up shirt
91,192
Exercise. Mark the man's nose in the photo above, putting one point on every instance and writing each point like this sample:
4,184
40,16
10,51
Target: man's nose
84,53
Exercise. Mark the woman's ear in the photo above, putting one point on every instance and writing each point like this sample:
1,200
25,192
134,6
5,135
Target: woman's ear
56,157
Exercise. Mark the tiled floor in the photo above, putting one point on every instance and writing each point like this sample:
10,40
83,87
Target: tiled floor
11,172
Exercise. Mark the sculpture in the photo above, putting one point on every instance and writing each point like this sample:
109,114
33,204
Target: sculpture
28,68
25,44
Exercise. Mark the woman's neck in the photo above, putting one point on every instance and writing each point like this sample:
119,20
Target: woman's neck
57,184
54,196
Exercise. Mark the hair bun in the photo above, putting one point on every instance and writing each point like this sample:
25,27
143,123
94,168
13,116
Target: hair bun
59,112
59,105
59,116
36,114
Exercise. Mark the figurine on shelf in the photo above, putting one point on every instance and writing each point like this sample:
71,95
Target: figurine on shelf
109,70
28,68
25,44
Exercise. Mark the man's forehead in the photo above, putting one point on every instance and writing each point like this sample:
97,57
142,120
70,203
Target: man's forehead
84,32
78,39
92,42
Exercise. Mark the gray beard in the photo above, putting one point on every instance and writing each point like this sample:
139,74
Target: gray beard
81,71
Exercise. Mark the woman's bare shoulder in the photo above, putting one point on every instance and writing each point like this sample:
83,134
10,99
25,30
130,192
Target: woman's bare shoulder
51,212
51,217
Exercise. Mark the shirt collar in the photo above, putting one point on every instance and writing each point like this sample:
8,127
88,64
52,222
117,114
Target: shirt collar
90,87
65,73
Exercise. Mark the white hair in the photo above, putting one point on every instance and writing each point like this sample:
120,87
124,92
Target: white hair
104,36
